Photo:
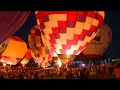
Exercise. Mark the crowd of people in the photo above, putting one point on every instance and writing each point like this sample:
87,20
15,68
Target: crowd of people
106,71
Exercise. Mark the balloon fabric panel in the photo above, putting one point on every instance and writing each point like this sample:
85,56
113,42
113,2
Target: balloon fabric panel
27,57
37,46
61,27
100,43
16,48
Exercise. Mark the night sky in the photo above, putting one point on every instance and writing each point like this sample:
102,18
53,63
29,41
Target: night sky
112,18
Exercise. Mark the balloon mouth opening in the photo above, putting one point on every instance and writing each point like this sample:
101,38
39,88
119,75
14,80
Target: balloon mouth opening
66,59
11,60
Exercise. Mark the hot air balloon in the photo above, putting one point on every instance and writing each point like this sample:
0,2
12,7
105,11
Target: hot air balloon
59,63
10,22
100,43
27,57
15,50
41,54
47,44
69,32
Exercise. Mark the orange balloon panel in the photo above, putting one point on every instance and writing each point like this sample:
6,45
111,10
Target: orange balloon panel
16,48
27,57
24,61
100,43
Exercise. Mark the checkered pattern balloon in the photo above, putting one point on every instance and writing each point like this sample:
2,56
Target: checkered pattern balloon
49,47
41,54
100,43
69,32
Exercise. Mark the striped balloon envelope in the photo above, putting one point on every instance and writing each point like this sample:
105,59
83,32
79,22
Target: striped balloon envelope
100,43
41,54
47,44
69,32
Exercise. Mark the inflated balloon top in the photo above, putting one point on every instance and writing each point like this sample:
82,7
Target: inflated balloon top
16,48
100,43
10,22
69,32
37,46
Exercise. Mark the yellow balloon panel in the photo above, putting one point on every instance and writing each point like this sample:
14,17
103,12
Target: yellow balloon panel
27,57
25,61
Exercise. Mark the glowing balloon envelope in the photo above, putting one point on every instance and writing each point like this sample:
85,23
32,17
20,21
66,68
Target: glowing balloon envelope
47,44
100,43
41,54
15,50
27,57
69,32
49,47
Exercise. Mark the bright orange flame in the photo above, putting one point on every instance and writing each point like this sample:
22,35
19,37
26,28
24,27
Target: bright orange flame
2,60
68,52
44,66
23,65
4,64
59,63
